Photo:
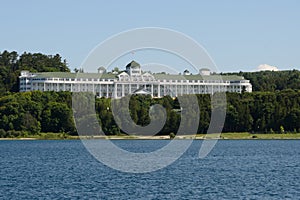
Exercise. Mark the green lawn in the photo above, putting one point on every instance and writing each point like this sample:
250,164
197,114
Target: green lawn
242,136
230,136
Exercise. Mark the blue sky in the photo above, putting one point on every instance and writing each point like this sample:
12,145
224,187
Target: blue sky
238,35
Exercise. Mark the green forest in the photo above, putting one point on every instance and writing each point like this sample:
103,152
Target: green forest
270,81
273,106
11,64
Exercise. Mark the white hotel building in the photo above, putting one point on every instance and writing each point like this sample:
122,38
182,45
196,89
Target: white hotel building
133,81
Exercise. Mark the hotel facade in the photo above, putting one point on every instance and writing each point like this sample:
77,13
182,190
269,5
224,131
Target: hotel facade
133,81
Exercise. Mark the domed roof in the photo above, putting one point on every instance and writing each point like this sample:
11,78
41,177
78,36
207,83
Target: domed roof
133,64
101,68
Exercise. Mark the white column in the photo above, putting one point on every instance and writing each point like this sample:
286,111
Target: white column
187,89
100,92
94,88
152,89
106,90
158,90
115,90
181,88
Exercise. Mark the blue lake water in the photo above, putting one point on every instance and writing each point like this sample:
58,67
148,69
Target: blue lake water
247,169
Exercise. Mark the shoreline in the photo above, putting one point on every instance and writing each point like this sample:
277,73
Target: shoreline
223,136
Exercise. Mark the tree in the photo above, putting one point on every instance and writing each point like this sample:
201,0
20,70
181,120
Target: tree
30,124
292,120
11,65
57,117
281,129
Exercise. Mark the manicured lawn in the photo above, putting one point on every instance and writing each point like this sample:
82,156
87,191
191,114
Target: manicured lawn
252,136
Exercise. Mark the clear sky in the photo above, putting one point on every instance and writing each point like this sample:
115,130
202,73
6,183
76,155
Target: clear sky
238,35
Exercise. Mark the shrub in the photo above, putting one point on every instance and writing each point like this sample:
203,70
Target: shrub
172,135
2,133
281,129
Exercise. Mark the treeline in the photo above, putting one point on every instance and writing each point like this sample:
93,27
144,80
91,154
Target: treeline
34,112
271,81
260,112
257,112
263,112
11,64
